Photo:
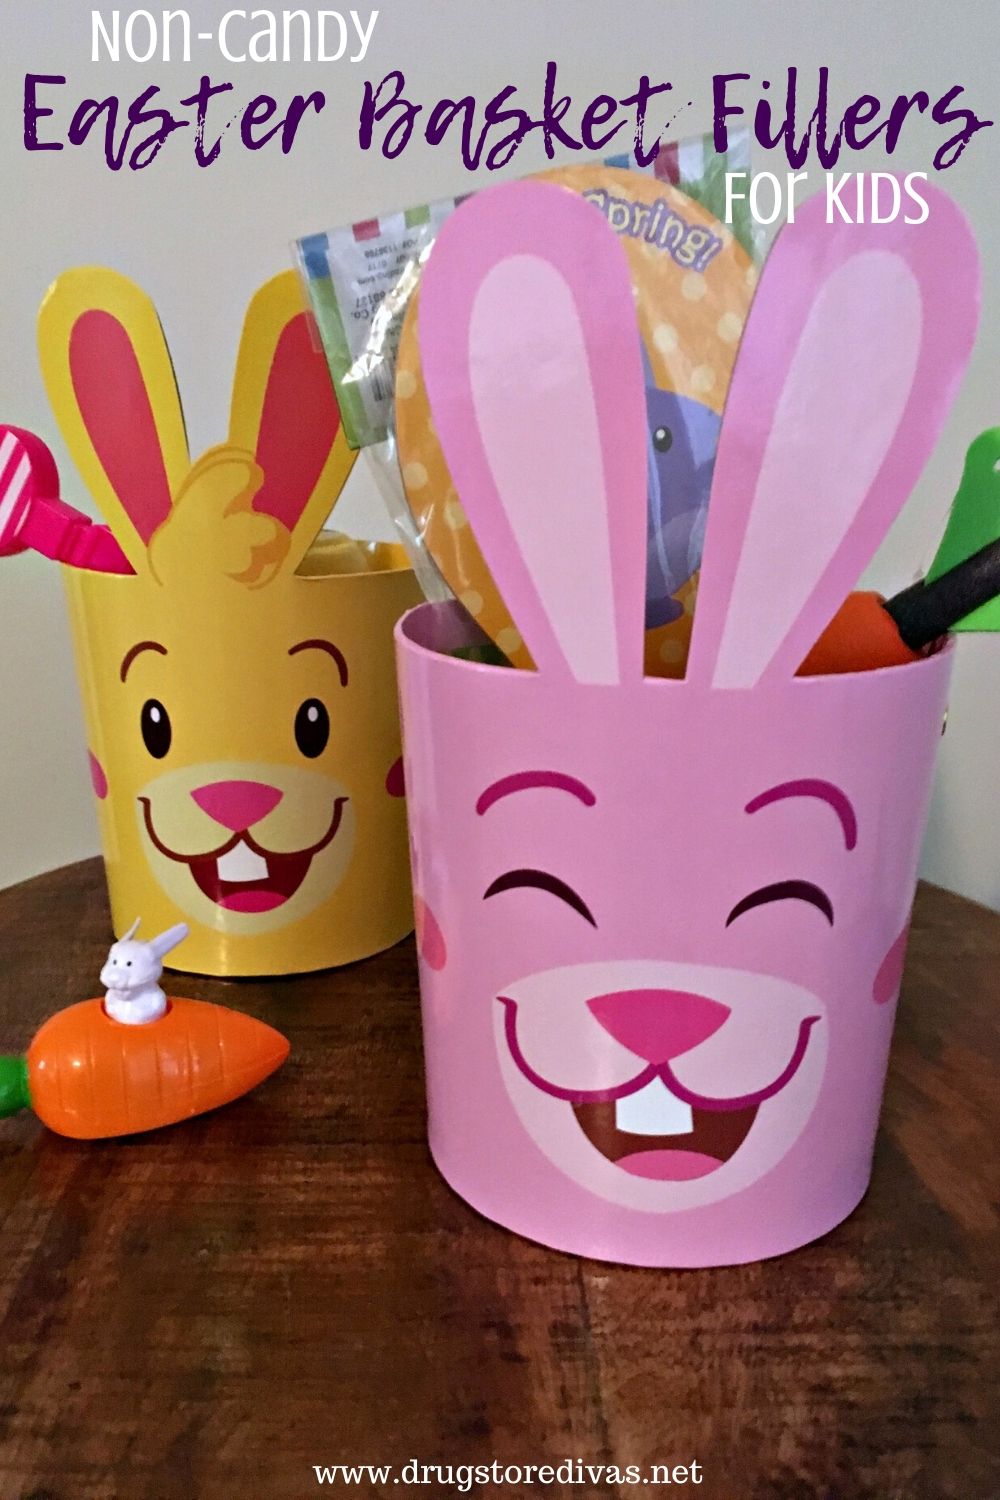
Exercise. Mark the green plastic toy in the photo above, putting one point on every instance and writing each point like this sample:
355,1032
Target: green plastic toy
974,523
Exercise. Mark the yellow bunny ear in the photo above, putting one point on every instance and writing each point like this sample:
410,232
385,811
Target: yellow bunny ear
285,412
112,388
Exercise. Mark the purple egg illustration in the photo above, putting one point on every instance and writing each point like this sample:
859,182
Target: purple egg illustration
682,439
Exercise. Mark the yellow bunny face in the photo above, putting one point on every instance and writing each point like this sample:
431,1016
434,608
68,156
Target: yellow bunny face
239,687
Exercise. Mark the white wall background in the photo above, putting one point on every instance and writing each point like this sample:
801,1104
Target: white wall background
201,240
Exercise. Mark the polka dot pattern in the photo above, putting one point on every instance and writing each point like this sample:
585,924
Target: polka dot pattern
414,476
729,327
665,338
509,640
454,515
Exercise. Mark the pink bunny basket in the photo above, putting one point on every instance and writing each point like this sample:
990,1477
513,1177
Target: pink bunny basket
662,923
235,661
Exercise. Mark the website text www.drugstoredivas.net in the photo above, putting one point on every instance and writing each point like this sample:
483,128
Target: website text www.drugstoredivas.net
796,111
461,1479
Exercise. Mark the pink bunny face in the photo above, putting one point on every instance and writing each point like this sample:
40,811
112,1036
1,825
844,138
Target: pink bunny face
660,920
654,979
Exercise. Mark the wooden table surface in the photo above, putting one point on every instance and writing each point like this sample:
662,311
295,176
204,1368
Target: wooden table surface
209,1311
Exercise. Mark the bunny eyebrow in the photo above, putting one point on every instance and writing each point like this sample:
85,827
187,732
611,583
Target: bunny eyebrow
825,791
330,649
130,656
522,780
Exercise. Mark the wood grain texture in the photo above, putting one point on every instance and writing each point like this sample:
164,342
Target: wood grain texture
208,1311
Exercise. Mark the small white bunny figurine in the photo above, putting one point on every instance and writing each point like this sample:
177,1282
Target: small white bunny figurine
131,972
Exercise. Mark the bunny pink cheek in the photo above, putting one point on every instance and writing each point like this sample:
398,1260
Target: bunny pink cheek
430,939
98,780
890,972
395,783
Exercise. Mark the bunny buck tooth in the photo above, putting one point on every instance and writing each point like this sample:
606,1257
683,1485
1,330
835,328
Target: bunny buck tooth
654,1110
242,864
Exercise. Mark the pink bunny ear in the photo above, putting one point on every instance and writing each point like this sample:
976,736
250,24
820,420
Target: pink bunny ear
299,421
112,387
532,362
117,414
857,338
284,411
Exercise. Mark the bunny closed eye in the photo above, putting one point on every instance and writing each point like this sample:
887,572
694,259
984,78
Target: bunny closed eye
520,783
542,881
812,790
784,890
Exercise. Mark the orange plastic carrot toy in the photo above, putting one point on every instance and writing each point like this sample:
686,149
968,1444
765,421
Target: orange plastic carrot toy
129,1063
961,590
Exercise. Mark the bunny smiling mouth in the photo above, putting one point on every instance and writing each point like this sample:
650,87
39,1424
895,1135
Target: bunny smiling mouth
652,1126
241,875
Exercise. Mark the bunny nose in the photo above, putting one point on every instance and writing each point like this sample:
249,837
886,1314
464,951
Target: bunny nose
237,804
658,1024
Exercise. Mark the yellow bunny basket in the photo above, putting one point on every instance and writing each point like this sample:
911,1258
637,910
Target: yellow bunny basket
238,685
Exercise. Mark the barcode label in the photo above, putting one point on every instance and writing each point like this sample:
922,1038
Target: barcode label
360,279
381,384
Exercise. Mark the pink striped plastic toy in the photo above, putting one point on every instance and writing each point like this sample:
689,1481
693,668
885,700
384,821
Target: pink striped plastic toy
32,516
662,923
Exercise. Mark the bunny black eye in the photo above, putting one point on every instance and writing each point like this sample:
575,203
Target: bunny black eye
539,880
155,725
663,439
784,890
312,728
